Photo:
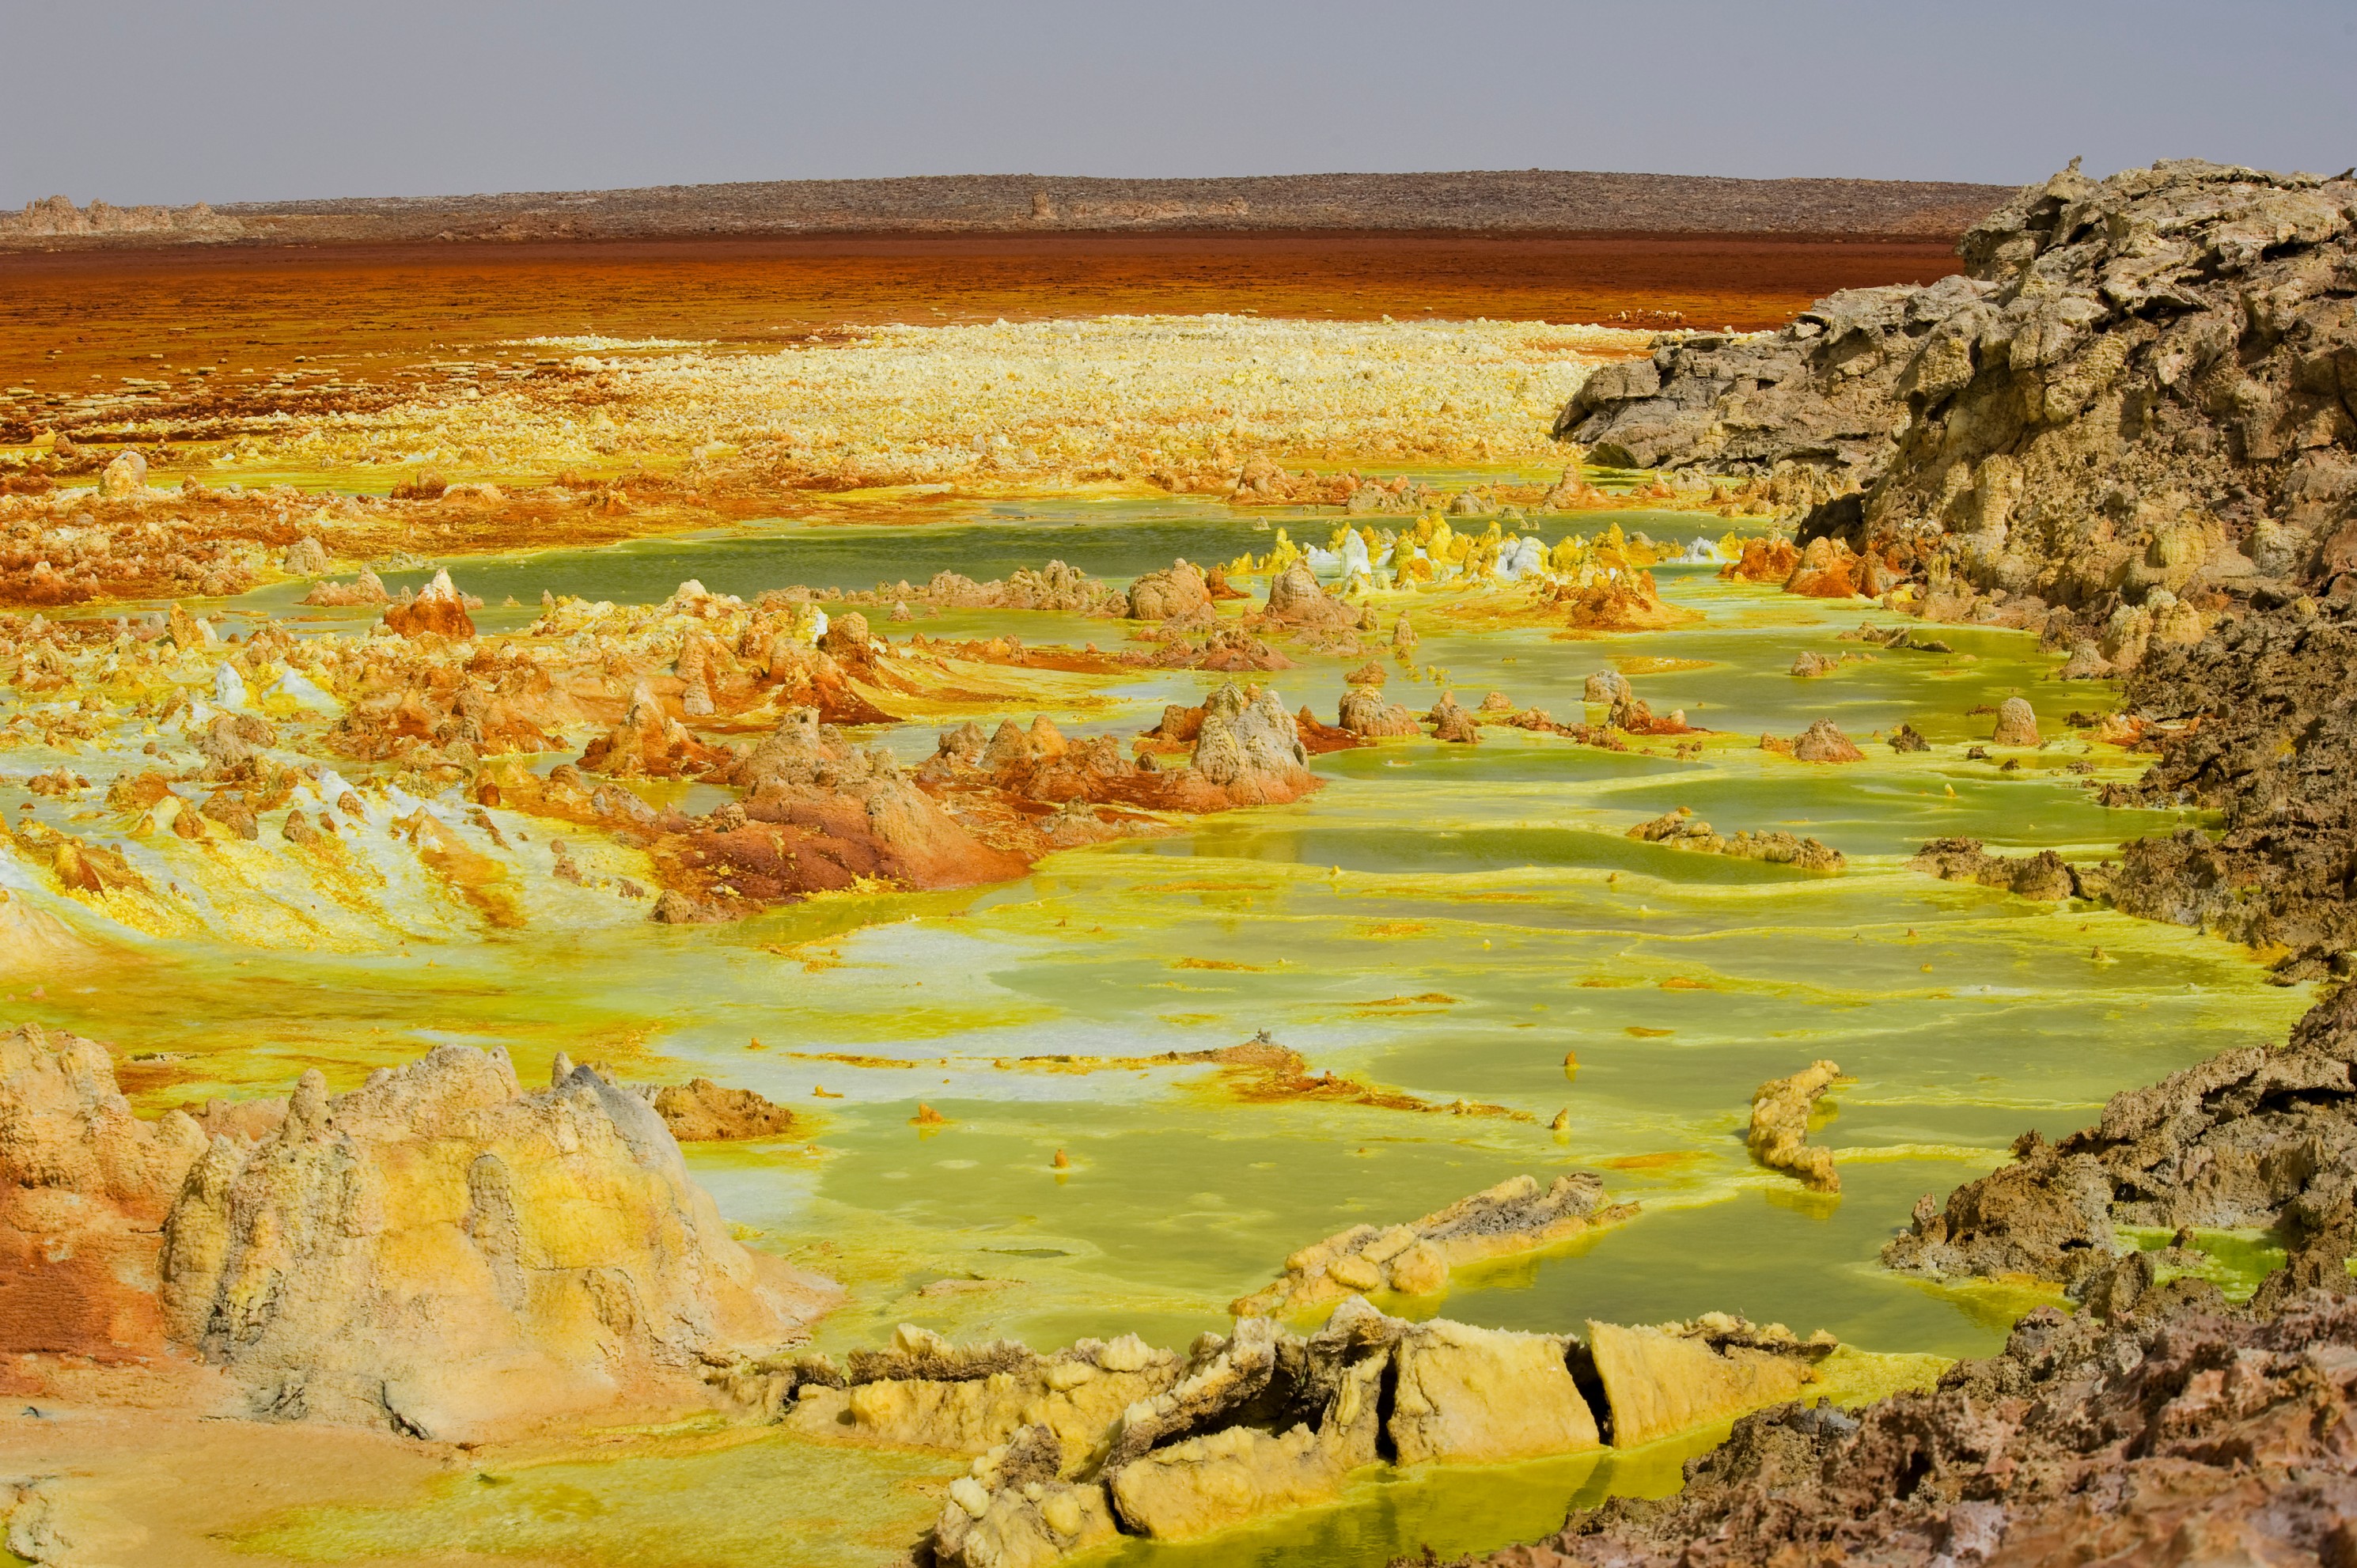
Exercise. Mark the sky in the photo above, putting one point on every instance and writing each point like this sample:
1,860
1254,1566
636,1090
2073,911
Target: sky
174,101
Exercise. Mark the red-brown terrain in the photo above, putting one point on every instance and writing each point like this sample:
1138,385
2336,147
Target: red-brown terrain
240,314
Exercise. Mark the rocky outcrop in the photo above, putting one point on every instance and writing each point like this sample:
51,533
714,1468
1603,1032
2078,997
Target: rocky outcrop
1682,829
1365,714
441,1254
1823,741
307,557
1324,1401
1679,1376
2137,386
2016,723
924,1392
1625,599
57,217
1829,569
1451,723
1246,750
84,1186
1249,750
1296,600
1777,1137
1055,587
701,1112
1769,560
438,608
2044,875
651,742
1607,686
1414,1259
1012,1509
1262,1421
1476,1396
1634,715
820,813
125,477
2148,381
1319,737
2183,1430
1812,405
2255,1137
1204,645
1177,591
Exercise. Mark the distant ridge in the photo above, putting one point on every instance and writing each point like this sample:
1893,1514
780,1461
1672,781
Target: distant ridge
1531,201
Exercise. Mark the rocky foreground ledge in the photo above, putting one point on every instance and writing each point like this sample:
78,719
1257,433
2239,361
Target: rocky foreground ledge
1075,1448
2180,1430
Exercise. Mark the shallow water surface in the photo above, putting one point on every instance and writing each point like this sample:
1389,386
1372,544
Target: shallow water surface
1471,925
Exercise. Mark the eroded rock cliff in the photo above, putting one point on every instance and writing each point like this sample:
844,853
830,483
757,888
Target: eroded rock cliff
2140,384
84,1186
440,1253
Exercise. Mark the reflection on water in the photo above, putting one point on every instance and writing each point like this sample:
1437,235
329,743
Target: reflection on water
1450,921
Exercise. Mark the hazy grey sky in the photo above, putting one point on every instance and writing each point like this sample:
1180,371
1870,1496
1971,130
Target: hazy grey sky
249,99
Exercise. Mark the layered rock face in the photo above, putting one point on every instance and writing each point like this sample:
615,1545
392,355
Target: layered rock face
2255,1137
1812,405
2151,398
2181,1432
84,1187
1677,1375
2142,383
441,1254
925,1393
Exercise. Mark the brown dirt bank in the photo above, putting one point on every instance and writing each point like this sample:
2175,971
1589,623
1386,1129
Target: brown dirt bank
383,313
